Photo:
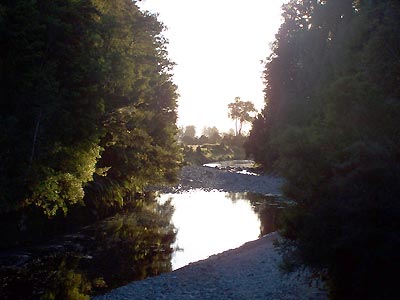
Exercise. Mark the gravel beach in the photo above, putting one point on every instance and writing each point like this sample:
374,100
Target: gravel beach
248,272
227,180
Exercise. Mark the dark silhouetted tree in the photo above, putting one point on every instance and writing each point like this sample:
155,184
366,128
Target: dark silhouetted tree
88,107
241,112
212,133
189,135
331,80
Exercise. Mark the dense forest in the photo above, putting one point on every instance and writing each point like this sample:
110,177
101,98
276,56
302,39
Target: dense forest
88,120
331,126
88,107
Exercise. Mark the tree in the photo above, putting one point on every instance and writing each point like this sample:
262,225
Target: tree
190,131
202,140
50,103
209,131
331,79
139,142
212,133
241,112
189,135
88,106
180,133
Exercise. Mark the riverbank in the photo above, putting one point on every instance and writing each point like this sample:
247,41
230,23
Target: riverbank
249,272
227,180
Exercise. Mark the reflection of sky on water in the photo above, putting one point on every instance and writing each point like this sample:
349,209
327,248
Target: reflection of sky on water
137,243
210,223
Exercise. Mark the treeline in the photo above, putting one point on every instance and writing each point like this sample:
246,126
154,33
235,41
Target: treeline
331,126
209,135
88,106
211,146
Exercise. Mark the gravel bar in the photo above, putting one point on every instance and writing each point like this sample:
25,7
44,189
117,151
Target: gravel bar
249,272
206,178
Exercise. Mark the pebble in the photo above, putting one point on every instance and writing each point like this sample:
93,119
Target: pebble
237,274
206,178
250,272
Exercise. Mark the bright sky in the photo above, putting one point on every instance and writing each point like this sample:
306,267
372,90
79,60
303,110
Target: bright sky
218,46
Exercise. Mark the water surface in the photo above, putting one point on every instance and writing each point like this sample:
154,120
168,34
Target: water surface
152,237
210,222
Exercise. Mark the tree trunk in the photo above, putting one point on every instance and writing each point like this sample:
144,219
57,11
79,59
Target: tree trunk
35,138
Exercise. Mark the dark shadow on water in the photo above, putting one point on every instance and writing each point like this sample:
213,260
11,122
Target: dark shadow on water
269,208
128,246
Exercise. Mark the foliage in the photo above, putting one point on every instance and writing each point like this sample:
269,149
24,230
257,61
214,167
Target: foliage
135,246
330,126
48,278
230,147
207,153
50,106
131,245
88,106
190,131
212,134
240,111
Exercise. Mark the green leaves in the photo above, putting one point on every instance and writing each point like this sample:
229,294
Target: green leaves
240,112
330,127
86,86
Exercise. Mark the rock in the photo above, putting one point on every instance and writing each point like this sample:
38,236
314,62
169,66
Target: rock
237,274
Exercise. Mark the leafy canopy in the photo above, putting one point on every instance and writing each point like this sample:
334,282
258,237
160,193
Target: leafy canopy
241,112
88,105
331,126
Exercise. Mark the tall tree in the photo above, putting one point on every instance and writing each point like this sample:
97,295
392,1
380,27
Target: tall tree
212,133
139,144
88,106
190,131
332,78
241,112
50,104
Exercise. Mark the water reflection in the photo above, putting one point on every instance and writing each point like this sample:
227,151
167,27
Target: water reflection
137,243
212,222
269,209
129,246
53,277
135,246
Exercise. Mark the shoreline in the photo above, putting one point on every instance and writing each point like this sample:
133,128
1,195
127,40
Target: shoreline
251,271
209,178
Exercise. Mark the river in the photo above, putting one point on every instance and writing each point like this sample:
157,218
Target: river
168,232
